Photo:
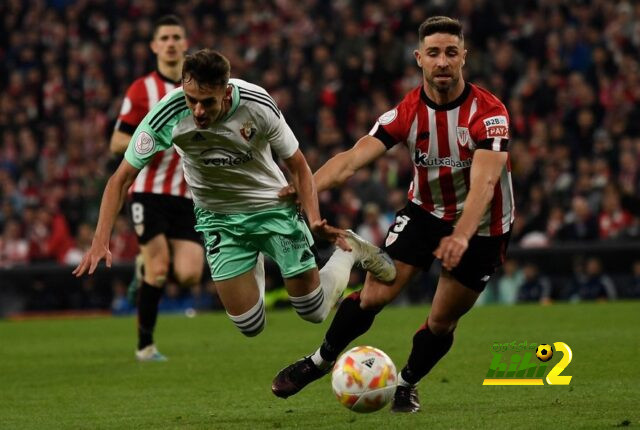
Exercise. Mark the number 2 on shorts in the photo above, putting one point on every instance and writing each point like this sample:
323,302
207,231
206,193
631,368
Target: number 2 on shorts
215,241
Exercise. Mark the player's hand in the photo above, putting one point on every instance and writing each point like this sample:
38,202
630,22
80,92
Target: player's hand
92,258
451,249
334,235
288,193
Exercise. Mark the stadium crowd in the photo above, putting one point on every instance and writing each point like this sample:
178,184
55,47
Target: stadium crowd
567,70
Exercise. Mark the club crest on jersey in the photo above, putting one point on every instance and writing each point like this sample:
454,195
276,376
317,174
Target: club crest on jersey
463,135
248,130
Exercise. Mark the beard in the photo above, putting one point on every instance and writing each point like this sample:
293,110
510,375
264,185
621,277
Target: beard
442,87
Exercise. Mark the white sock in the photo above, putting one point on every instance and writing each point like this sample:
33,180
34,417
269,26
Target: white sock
252,322
311,307
320,362
402,382
334,276
258,272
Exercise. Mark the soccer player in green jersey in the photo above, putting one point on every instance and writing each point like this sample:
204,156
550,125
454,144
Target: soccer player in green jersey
225,130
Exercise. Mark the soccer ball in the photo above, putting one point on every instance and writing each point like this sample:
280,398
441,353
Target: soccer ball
544,352
364,379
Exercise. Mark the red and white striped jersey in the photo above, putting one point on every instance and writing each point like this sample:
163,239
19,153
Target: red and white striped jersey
164,174
441,140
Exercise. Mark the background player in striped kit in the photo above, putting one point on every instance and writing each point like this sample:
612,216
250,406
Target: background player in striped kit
460,209
160,202
225,131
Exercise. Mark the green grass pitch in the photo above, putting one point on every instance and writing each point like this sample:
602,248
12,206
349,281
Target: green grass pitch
81,374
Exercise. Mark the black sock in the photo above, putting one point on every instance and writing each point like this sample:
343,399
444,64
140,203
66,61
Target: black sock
427,350
148,299
350,322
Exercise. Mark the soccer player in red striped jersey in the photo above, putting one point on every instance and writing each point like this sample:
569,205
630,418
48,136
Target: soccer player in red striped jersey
160,203
459,209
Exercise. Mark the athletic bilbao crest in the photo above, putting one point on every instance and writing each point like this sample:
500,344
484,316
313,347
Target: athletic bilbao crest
463,136
248,130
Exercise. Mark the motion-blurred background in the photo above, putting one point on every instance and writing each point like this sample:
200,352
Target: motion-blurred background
568,71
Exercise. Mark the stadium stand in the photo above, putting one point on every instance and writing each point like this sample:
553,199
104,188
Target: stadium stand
568,70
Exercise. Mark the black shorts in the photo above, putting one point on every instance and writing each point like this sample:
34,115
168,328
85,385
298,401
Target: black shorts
154,214
416,234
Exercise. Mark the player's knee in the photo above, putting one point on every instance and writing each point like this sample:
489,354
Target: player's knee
187,279
252,322
440,327
156,273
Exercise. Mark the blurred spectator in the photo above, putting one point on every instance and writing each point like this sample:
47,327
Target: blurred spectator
594,285
580,223
124,243
374,225
535,286
613,219
510,283
14,249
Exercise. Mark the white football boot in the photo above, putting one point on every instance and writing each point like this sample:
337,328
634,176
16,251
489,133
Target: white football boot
150,353
371,258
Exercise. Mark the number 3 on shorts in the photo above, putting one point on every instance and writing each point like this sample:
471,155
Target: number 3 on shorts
401,223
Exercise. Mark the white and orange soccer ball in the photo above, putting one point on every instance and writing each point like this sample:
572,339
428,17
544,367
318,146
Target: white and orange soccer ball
364,379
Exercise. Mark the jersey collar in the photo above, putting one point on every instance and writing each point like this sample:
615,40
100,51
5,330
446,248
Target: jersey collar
235,102
168,79
447,106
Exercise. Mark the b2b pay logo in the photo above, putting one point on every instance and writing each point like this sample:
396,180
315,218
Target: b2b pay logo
520,368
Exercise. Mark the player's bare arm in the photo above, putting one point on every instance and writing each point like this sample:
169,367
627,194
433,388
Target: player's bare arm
112,200
304,184
342,166
485,173
119,142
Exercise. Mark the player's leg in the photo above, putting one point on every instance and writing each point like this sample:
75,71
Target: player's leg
433,340
187,254
456,293
285,237
155,255
350,321
241,298
188,261
411,251
314,293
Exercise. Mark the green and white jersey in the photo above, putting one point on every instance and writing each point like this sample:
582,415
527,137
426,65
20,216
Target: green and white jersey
228,166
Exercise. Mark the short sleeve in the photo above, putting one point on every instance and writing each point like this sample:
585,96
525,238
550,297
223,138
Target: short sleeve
154,134
280,136
134,107
490,128
392,127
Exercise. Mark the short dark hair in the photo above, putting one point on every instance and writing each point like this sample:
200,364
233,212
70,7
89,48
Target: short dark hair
166,20
207,67
440,24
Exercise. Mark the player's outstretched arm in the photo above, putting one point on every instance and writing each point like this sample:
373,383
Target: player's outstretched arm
486,169
343,165
112,200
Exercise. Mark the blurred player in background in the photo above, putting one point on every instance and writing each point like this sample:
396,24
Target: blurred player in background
160,202
460,209
225,130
